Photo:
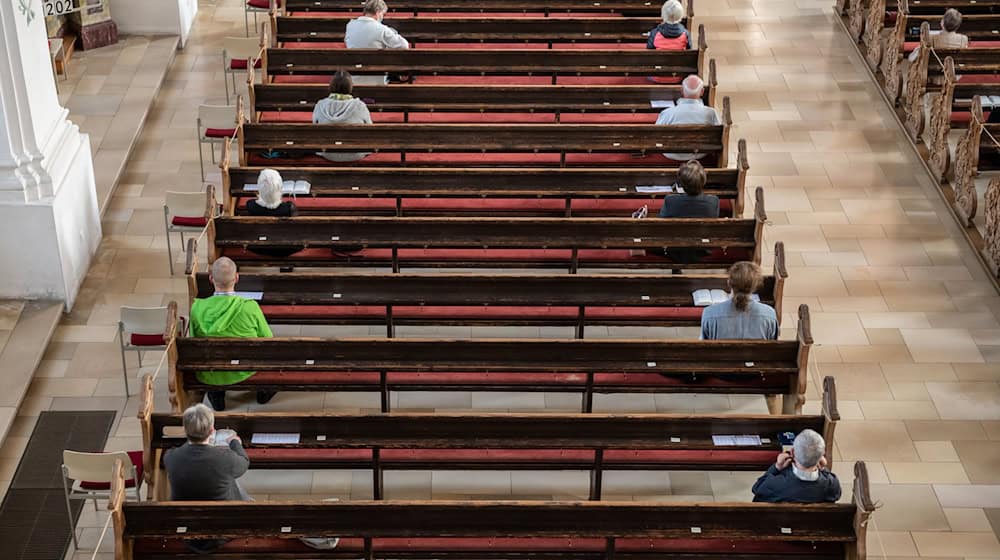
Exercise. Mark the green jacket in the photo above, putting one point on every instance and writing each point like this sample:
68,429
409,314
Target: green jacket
227,316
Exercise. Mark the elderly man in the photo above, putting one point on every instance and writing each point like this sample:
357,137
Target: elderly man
368,32
801,476
689,110
226,314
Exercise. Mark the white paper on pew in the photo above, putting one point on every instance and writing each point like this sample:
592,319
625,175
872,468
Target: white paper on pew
736,440
661,103
268,438
295,187
251,187
748,440
989,101
256,296
654,188
724,440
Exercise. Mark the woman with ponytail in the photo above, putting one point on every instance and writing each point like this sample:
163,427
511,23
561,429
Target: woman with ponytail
740,317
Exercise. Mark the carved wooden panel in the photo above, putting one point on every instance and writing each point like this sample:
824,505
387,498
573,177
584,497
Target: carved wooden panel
841,7
856,19
991,237
871,39
940,123
966,161
891,67
916,85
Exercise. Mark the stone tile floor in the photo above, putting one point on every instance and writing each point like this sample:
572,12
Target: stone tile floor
903,313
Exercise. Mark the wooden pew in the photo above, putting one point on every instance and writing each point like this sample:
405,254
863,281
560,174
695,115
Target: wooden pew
392,300
888,13
270,102
292,65
383,365
524,31
426,7
487,242
586,192
496,529
490,145
975,152
464,441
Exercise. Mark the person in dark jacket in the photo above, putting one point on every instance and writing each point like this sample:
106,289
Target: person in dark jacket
671,35
800,476
269,203
693,203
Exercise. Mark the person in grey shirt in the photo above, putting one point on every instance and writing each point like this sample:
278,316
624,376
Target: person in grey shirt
689,110
199,470
740,318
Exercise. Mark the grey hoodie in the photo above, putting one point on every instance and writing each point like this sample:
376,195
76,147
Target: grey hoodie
341,109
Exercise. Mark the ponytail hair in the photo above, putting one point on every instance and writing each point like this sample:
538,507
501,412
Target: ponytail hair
744,279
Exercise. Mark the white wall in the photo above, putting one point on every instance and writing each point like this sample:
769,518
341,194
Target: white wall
174,17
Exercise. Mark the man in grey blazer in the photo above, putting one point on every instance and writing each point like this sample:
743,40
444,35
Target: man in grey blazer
200,470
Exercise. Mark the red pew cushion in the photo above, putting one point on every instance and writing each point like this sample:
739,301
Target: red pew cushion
241,64
219,132
146,339
135,457
189,221
588,256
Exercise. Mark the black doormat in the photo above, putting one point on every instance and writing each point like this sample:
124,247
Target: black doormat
33,520
40,466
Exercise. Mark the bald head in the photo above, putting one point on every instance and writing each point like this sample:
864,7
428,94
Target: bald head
692,87
223,274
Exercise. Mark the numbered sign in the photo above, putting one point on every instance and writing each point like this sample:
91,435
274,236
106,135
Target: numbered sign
59,7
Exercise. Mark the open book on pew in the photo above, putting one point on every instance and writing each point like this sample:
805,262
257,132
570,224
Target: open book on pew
661,103
288,187
659,189
989,101
704,298
737,440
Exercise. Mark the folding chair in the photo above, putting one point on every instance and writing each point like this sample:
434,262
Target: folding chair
215,123
141,329
185,212
257,7
91,475
235,52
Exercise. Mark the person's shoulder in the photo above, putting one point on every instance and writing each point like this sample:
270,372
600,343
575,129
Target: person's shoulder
717,309
764,309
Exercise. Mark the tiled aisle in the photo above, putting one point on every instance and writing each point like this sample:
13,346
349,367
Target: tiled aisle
902,312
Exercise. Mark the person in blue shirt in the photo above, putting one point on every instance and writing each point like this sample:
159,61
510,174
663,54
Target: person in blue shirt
740,318
800,476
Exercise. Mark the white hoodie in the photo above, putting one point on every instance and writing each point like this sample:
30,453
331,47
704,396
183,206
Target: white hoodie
341,109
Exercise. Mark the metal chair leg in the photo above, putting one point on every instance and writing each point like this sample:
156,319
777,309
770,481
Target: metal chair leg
201,160
246,23
69,515
226,80
170,251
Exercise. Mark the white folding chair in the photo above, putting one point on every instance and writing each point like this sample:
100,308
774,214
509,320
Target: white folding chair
257,7
235,52
184,212
141,329
215,123
91,475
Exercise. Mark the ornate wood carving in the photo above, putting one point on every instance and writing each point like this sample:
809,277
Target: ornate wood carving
891,65
841,7
916,85
940,123
966,162
991,237
871,39
856,19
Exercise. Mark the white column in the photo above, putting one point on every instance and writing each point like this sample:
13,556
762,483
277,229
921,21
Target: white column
49,222
174,17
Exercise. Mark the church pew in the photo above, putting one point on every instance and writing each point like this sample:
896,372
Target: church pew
496,529
492,300
270,102
489,145
523,31
921,7
487,7
472,65
587,192
976,152
467,441
586,367
572,243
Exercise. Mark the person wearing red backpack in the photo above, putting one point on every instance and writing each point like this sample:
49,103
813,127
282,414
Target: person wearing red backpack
671,35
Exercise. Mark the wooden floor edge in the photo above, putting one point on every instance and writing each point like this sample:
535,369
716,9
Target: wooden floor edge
971,234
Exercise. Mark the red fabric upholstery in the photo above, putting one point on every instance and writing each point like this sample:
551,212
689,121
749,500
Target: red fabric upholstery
776,382
241,64
475,378
220,132
285,454
189,221
683,456
430,312
583,456
135,457
262,4
980,79
910,46
589,256
692,314
146,340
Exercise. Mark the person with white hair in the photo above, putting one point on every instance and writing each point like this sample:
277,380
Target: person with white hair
690,109
227,314
800,476
671,35
269,203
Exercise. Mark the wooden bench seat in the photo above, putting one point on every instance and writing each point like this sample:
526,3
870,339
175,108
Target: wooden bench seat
431,65
478,145
408,441
495,529
273,102
572,243
522,30
554,7
585,192
758,367
493,300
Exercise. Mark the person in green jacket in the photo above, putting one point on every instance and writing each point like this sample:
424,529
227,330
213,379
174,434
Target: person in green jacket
226,314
